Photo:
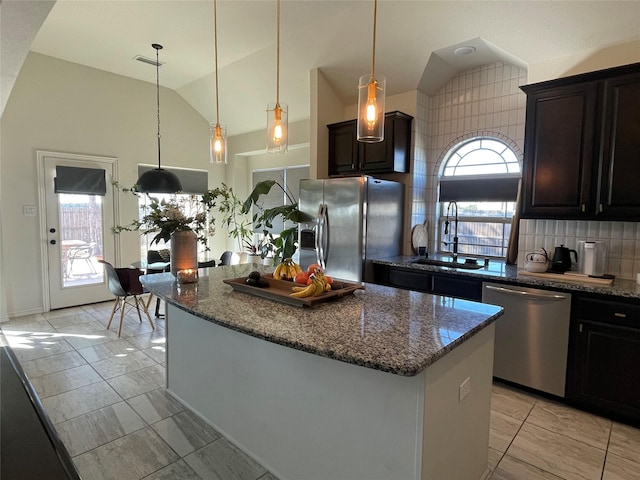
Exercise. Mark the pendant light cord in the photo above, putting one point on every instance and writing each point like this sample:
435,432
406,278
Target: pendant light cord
278,54
373,53
215,41
158,47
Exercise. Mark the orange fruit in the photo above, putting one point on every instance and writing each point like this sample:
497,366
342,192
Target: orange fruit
312,268
328,279
301,277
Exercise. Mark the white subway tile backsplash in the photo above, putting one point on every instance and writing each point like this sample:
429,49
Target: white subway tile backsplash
617,229
615,247
629,229
582,229
628,248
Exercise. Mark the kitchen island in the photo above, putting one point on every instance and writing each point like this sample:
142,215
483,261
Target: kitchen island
383,383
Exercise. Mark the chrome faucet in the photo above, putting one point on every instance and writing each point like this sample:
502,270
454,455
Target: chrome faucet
454,255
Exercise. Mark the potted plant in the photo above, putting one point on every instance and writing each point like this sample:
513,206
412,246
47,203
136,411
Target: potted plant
284,244
185,220
234,219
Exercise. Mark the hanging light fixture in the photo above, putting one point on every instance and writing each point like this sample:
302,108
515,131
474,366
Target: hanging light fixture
158,180
218,153
371,89
277,114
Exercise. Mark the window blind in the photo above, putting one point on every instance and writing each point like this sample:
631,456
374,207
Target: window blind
481,189
79,180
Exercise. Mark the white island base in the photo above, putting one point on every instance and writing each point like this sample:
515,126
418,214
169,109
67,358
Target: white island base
303,416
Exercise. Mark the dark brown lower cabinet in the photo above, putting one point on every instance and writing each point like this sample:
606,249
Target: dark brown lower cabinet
603,372
430,282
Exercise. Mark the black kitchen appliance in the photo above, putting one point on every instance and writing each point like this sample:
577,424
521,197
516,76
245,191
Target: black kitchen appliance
561,261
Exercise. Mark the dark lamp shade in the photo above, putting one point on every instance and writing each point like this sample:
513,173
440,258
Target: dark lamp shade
159,180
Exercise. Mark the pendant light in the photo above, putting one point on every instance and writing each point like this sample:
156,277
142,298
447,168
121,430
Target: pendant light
218,151
277,114
158,180
371,90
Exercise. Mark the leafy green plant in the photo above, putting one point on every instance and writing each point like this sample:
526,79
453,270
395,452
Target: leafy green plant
285,244
178,213
238,226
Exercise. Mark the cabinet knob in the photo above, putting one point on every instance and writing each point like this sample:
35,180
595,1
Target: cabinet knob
620,315
583,207
600,208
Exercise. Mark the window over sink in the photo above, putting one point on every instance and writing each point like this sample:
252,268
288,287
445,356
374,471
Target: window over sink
481,175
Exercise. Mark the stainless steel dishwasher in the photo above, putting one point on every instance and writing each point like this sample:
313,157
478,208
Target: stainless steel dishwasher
532,337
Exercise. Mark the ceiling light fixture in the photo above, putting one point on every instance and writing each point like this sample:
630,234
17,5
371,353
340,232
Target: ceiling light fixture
371,90
218,152
277,114
158,180
466,50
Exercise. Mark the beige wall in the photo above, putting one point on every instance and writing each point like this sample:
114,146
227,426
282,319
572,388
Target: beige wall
586,61
64,107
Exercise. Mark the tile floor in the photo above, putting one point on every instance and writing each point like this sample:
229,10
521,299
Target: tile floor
105,396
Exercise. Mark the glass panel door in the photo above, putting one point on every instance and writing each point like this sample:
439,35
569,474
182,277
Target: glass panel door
82,244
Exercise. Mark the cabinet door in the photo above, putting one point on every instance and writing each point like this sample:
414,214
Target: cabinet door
392,154
619,191
605,374
343,148
559,149
450,285
418,281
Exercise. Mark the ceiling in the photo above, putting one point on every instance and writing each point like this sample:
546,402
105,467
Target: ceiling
415,43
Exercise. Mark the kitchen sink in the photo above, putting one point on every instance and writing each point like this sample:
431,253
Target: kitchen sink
449,263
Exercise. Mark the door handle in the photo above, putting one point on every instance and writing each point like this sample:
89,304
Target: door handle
52,242
521,293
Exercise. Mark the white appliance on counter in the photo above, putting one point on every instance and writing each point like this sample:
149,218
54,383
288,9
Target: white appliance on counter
532,337
355,219
592,257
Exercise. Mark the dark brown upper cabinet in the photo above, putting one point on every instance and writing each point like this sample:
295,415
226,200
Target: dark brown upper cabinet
582,147
347,156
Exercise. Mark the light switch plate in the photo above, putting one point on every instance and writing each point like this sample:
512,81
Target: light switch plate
29,210
465,389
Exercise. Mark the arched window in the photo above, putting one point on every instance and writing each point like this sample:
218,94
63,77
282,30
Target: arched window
479,182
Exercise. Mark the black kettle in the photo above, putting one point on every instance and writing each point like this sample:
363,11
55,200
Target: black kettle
561,261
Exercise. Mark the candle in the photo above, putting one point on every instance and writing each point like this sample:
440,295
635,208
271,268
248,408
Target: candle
188,275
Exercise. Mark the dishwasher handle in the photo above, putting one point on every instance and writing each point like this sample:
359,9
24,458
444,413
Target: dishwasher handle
522,293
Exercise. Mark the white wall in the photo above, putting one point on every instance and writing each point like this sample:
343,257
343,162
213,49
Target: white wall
486,101
326,108
586,61
61,106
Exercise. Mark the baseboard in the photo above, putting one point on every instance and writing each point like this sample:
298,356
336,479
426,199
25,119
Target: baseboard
21,313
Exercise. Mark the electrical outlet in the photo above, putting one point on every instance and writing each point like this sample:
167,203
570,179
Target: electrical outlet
465,389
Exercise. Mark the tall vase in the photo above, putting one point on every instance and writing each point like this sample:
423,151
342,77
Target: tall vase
184,256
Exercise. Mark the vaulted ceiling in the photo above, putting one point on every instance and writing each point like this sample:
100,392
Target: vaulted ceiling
332,35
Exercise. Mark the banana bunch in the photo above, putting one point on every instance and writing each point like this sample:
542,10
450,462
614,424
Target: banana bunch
286,270
318,286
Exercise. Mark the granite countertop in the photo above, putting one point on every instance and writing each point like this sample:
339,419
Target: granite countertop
498,271
383,328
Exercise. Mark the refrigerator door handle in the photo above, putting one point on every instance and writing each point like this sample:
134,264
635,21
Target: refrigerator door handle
318,234
321,236
325,237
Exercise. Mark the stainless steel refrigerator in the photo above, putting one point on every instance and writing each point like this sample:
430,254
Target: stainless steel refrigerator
356,219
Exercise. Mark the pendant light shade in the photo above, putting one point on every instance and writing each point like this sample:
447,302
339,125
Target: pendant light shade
158,180
371,94
218,139
277,113
218,151
277,128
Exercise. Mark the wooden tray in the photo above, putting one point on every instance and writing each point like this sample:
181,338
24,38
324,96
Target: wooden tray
280,290
568,277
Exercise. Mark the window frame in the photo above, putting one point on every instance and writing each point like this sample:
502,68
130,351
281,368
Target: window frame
506,182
